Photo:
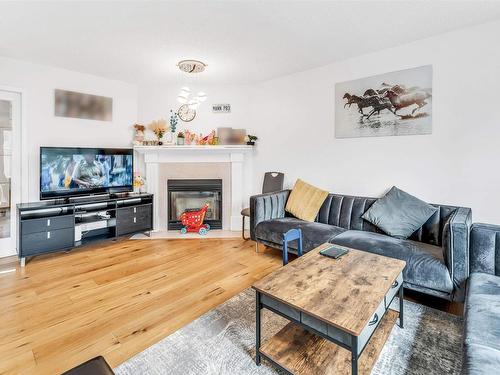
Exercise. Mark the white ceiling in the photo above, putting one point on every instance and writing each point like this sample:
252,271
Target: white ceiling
241,41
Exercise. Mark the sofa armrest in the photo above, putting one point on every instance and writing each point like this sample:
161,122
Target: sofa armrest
456,234
266,207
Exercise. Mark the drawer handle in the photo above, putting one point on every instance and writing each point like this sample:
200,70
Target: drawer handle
48,235
135,220
396,283
48,222
374,321
135,210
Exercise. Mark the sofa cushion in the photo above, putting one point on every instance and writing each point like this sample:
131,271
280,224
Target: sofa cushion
482,307
482,325
480,360
424,263
305,200
313,234
398,213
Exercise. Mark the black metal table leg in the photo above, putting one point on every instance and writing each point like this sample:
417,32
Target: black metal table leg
354,355
258,308
401,320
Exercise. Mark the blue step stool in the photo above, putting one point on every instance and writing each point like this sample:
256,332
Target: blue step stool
291,235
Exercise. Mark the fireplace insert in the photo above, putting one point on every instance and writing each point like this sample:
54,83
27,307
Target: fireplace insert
192,194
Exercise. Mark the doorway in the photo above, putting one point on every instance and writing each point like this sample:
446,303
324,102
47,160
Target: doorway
10,168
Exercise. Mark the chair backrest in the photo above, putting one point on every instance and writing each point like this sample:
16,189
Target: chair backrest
273,181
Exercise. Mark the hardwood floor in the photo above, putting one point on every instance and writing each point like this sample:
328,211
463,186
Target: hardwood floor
116,300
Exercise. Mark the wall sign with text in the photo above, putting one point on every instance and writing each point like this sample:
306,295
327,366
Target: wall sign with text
221,108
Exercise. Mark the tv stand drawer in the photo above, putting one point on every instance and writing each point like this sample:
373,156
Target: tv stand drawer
133,219
42,242
45,224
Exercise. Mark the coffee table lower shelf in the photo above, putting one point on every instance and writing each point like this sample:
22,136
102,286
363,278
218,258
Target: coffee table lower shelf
298,351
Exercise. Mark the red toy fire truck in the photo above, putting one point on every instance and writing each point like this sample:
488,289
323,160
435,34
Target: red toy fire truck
193,221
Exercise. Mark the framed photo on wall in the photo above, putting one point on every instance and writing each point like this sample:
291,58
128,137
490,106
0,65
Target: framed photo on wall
396,103
83,106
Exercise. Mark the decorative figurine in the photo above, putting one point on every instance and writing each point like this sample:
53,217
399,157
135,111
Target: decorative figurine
139,134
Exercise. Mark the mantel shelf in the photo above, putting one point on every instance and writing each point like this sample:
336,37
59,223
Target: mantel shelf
227,148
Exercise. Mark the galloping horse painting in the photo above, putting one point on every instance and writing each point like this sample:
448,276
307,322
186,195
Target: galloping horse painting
396,103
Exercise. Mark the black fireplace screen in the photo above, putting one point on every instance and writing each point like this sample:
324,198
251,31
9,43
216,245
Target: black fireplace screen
191,195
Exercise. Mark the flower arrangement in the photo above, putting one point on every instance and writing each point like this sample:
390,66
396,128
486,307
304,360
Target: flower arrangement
174,119
209,139
139,127
139,181
159,127
189,137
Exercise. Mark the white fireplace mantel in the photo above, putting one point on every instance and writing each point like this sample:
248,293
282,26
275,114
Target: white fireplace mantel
237,156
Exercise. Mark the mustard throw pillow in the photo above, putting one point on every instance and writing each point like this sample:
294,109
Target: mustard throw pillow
305,200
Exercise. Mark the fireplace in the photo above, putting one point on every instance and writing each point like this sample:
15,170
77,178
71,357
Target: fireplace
190,194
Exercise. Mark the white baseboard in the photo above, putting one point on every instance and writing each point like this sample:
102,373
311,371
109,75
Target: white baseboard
7,253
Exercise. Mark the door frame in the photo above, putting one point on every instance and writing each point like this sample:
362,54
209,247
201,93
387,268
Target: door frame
20,158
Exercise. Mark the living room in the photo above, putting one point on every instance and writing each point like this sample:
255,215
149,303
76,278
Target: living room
221,187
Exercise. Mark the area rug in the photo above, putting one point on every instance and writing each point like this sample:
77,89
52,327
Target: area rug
222,342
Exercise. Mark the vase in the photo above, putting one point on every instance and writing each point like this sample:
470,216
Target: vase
168,140
159,136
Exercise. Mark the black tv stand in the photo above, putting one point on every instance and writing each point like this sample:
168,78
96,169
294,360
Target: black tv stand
60,225
92,197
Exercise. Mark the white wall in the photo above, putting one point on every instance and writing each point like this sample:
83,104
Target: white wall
42,128
457,164
156,101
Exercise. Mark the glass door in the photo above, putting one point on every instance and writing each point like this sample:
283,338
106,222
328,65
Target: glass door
10,168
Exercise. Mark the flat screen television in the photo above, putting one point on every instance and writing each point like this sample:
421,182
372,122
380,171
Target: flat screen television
71,171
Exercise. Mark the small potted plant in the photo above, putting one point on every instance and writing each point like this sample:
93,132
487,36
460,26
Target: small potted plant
180,139
251,140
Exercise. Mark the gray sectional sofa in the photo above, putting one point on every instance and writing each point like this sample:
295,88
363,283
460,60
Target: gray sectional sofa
437,255
482,306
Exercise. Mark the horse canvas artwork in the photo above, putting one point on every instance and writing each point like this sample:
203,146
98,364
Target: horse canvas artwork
396,103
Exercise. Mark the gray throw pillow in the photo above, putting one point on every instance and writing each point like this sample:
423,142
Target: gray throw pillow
398,213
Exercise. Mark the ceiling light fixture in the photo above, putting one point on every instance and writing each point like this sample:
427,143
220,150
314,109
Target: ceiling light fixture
191,66
184,97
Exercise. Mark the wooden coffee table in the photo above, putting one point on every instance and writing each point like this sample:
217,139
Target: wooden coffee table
337,308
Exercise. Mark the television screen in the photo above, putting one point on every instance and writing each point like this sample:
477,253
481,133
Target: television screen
78,171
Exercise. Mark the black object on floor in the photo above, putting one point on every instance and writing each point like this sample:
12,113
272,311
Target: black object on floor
94,366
